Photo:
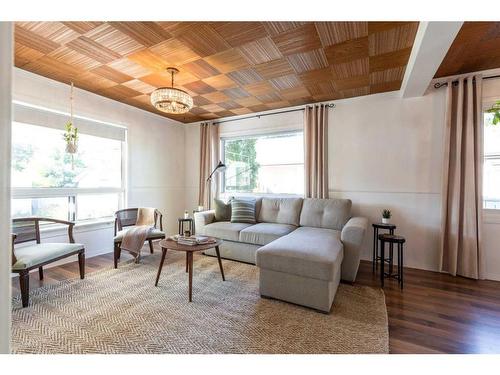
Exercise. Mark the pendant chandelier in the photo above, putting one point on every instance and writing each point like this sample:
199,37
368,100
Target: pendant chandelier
170,99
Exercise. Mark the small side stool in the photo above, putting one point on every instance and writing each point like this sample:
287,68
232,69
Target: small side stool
190,225
391,239
389,227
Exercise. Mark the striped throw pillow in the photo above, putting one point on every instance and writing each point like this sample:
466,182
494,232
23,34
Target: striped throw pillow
243,211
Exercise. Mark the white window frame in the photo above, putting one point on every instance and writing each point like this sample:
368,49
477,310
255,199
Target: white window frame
71,193
247,136
490,215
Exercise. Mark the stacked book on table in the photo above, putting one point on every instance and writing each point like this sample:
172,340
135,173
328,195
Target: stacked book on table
194,240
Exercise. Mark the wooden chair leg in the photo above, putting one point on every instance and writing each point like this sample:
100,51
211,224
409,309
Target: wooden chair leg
81,264
24,282
116,255
40,272
151,246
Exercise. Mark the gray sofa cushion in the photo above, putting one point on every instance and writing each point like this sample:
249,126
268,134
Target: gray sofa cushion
280,210
222,210
325,213
307,252
225,230
263,233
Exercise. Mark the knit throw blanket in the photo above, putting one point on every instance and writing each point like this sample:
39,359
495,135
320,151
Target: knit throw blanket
134,237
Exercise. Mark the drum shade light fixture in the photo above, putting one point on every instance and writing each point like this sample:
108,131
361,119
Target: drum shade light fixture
170,99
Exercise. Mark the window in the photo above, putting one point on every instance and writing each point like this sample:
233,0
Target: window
264,164
491,170
47,181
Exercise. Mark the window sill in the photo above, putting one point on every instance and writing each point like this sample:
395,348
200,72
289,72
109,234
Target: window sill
491,216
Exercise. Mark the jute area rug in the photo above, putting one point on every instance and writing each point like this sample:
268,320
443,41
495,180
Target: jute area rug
120,311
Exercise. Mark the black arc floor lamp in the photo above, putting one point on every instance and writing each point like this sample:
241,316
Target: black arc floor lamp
221,167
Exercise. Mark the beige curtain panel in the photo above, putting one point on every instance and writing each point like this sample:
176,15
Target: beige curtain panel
209,157
316,151
462,201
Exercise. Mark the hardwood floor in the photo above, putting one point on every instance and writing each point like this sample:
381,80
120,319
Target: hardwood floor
435,313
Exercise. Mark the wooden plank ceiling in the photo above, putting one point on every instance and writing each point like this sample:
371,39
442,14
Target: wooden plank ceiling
230,68
476,47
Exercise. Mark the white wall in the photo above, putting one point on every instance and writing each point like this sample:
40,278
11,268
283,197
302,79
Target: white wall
6,59
384,152
155,174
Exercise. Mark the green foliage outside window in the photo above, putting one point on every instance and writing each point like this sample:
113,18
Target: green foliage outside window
242,151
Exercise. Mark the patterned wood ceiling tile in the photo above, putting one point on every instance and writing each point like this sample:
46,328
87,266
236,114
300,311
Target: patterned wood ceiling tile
199,87
241,111
301,39
352,83
71,57
34,41
174,52
236,93
145,33
238,33
275,28
337,32
306,61
54,31
258,108
295,93
393,39
228,61
111,74
228,67
24,55
230,105
220,82
259,88
248,101
260,51
245,76
114,40
476,48
129,67
347,51
272,69
286,82
216,97
389,60
318,75
353,68
385,87
204,40
140,86
82,27
200,68
389,75
92,49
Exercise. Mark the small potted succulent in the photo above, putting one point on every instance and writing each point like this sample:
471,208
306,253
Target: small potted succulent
71,138
386,216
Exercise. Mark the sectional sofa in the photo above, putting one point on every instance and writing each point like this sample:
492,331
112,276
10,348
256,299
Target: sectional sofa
303,247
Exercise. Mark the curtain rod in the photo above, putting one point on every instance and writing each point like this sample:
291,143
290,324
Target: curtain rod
329,105
441,84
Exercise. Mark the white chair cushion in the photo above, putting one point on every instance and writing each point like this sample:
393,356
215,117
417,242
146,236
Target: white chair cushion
153,235
28,256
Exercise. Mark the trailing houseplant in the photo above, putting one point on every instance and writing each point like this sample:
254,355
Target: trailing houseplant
71,138
495,109
386,216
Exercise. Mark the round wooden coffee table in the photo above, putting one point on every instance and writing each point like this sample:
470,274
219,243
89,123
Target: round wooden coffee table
189,250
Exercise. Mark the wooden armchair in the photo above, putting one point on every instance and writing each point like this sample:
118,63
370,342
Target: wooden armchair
37,255
127,218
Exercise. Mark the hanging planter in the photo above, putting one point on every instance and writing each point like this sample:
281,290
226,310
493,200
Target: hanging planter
71,133
495,109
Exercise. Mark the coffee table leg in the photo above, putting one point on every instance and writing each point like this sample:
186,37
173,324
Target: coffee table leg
190,262
187,261
164,253
220,263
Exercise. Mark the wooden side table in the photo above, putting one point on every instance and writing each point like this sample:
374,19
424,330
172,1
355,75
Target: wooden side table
391,239
376,226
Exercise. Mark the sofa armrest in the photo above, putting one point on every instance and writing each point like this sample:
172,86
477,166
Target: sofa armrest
201,219
352,236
